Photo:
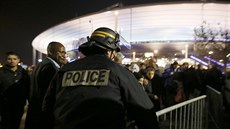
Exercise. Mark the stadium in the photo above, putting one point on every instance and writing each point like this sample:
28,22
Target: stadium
163,30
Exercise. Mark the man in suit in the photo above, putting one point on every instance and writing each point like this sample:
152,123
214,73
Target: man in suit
41,78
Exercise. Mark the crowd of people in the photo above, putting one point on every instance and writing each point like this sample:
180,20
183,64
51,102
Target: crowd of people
177,83
97,91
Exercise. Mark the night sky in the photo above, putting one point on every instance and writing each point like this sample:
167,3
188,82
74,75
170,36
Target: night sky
22,20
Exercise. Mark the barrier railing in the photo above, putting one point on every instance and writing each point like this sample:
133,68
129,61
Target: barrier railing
191,114
215,105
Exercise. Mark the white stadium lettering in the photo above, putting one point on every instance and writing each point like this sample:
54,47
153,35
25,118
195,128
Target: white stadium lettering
86,78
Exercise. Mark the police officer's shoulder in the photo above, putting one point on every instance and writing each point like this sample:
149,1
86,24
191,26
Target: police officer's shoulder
121,69
69,66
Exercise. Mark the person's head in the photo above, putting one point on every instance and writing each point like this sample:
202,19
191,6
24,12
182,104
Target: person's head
152,63
57,52
12,59
102,41
118,58
212,66
134,67
142,65
128,66
139,77
149,72
174,65
199,67
184,66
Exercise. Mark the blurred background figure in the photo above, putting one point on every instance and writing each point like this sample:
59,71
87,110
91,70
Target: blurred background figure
142,68
14,84
214,77
140,79
118,58
134,67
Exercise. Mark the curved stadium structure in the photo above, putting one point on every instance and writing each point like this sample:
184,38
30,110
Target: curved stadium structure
165,27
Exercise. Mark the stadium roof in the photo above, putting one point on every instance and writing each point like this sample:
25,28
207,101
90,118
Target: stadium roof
149,23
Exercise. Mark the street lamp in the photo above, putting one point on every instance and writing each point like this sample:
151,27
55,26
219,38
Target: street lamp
183,52
210,53
155,54
134,56
186,51
116,19
155,51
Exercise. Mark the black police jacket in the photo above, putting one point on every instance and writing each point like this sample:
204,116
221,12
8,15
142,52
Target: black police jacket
97,93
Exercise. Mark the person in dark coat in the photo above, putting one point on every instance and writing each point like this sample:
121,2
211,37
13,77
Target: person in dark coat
157,87
14,84
215,78
97,93
191,82
152,87
41,78
170,84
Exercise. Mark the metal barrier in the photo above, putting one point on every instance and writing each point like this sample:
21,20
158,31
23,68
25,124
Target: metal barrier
215,105
191,114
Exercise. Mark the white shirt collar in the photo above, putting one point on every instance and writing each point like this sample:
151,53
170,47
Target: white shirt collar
55,63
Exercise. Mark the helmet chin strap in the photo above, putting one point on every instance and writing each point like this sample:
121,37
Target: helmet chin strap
111,55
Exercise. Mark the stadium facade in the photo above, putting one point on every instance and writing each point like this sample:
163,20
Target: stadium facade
167,28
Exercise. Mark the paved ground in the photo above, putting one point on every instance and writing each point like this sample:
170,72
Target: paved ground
222,123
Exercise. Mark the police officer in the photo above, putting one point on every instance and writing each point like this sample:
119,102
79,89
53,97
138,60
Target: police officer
96,93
